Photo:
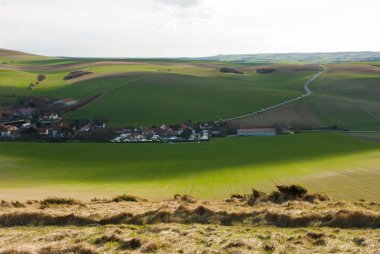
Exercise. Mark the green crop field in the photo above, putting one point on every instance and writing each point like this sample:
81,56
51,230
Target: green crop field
347,96
337,164
152,99
153,92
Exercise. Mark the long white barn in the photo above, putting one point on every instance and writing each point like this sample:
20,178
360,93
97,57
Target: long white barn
257,132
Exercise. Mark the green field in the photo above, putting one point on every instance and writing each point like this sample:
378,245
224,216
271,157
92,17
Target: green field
347,96
156,91
152,99
340,165
153,92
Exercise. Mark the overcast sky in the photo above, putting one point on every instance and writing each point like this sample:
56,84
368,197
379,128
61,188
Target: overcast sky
173,28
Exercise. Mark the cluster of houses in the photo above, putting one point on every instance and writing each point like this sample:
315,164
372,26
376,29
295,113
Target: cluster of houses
30,122
26,122
35,120
165,134
199,132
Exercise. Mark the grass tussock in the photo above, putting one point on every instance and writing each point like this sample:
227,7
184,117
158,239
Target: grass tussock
42,219
15,251
279,217
152,247
288,206
76,249
185,198
15,204
124,244
130,244
59,201
127,198
284,193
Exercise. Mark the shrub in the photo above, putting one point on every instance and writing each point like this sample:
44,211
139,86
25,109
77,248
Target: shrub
265,70
76,74
230,70
41,77
296,191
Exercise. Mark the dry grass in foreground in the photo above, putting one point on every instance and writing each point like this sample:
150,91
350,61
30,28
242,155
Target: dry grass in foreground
285,221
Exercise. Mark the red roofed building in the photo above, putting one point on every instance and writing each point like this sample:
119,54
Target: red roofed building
65,102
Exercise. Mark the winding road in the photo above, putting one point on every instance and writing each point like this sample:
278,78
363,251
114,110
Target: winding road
306,88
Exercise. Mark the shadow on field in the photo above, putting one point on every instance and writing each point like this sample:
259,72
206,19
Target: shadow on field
145,162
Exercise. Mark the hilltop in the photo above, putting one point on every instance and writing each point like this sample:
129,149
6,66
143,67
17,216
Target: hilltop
186,225
331,57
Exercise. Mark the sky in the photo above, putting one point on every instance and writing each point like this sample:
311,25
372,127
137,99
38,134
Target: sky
187,28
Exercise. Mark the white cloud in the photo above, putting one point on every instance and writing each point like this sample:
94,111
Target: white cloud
133,28
182,3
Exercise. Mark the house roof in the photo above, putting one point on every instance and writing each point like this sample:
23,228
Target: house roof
27,110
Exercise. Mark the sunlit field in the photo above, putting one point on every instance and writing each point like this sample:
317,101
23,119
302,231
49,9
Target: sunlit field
339,165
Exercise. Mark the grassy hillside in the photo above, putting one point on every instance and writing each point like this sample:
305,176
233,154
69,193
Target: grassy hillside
347,96
156,91
11,57
333,163
136,92
156,98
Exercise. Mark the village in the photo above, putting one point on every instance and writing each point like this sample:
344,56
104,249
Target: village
42,119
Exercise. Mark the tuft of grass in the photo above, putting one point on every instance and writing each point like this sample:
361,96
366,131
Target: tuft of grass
359,241
15,251
127,198
131,244
77,249
107,238
59,201
283,194
152,247
185,198
15,204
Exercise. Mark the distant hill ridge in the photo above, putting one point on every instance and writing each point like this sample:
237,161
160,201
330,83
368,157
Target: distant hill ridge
319,57
9,52
333,57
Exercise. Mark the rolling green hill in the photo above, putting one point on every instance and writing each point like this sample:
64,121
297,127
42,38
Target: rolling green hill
156,98
339,165
156,91
152,92
347,96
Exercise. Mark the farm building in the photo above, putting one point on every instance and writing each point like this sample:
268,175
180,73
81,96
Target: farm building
65,102
257,132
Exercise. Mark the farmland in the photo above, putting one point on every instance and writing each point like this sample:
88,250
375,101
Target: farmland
347,96
144,93
152,92
330,163
155,91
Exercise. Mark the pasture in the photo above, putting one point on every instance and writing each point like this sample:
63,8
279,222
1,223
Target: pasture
342,166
